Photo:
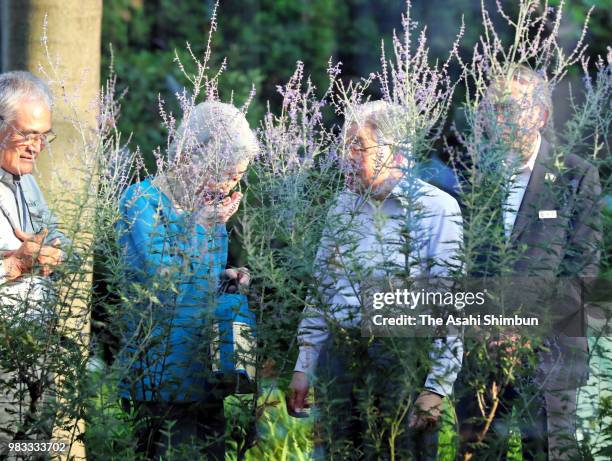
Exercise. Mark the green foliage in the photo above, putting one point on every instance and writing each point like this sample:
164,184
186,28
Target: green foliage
261,40
291,189
109,432
599,30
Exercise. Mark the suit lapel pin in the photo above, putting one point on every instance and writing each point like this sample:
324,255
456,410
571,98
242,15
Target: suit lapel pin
550,177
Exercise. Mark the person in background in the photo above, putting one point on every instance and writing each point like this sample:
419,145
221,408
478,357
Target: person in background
175,243
549,220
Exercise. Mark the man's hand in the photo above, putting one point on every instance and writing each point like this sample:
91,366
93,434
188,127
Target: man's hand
426,411
49,257
240,276
509,344
32,250
29,249
13,267
296,397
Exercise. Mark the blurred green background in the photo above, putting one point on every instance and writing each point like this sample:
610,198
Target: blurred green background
263,39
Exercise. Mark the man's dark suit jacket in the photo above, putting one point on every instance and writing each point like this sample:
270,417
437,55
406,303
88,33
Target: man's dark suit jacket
565,248
557,258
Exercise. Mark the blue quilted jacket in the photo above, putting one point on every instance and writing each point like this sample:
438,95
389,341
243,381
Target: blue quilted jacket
172,271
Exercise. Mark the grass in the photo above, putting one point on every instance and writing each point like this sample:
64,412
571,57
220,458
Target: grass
280,436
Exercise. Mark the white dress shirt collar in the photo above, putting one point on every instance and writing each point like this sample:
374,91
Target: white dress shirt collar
534,155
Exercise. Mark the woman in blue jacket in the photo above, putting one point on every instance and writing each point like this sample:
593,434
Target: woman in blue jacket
174,247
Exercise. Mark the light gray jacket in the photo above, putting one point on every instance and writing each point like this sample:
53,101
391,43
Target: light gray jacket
29,293
363,235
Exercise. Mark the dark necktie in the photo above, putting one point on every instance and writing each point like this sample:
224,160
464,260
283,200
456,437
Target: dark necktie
25,221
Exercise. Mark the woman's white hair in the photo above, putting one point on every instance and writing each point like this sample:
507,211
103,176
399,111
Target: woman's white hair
219,125
16,86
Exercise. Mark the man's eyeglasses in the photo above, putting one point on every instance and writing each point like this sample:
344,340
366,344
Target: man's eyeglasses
358,145
31,138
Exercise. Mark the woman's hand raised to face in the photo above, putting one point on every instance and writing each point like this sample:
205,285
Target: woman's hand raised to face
221,212
229,205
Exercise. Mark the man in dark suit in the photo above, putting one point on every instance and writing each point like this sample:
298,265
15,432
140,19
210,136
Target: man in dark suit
543,218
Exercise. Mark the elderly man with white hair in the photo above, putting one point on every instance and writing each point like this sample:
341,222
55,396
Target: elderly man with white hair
365,385
30,250
175,244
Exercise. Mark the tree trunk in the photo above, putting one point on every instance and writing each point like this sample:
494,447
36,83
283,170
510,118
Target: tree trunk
70,63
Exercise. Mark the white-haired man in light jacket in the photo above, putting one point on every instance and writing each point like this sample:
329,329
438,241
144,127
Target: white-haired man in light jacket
30,246
363,235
